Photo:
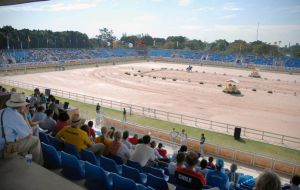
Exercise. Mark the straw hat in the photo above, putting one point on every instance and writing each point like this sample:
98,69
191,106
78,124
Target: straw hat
76,121
16,100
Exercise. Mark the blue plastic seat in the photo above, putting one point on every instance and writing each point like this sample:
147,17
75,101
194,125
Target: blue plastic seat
51,156
71,149
72,168
43,137
117,159
156,172
122,183
156,182
90,157
110,165
135,165
97,178
54,142
134,174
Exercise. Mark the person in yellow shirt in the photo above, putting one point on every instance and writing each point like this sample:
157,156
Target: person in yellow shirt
74,135
103,139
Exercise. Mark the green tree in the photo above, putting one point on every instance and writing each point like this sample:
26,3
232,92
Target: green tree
105,36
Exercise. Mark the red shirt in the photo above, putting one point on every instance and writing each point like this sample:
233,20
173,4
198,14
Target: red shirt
162,152
192,173
212,165
60,125
92,133
133,140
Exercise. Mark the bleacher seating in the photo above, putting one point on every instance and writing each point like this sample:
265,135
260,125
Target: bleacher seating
51,156
97,178
110,165
134,174
42,56
122,183
109,175
90,157
72,168
71,149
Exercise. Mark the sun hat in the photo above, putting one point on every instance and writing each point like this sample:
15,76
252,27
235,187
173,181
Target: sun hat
16,100
76,120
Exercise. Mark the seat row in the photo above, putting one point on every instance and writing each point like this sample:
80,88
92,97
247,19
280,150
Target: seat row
96,177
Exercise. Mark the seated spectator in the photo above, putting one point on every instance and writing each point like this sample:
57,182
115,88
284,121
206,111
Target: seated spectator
203,168
156,153
63,120
103,139
188,177
73,135
91,130
211,165
125,140
49,123
111,132
86,129
28,118
294,183
233,176
38,116
162,151
217,178
17,131
143,152
119,149
179,163
134,140
268,180
183,149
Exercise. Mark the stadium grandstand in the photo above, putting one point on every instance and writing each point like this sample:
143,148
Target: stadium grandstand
78,138
44,56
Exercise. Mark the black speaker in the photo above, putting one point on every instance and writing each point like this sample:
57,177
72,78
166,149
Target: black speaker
237,133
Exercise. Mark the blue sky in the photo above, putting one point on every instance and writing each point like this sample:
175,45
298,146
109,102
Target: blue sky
206,20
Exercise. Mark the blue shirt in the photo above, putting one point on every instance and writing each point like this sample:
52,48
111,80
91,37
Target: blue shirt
216,178
14,125
39,116
48,124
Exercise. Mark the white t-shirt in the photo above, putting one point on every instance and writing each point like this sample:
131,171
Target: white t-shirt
142,154
124,152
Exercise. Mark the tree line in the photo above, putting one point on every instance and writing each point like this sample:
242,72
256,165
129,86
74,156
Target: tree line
11,38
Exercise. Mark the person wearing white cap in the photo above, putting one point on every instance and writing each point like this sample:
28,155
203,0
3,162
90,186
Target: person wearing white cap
16,135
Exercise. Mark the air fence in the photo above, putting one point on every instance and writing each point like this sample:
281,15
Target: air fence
226,128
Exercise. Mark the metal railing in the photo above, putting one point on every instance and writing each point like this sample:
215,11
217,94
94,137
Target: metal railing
226,128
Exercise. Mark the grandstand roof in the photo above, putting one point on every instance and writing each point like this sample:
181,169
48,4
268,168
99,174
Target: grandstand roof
14,2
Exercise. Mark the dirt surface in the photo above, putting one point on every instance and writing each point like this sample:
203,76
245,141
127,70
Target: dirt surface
278,112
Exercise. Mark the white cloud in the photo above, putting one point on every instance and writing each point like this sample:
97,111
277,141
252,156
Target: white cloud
204,9
231,7
78,5
184,3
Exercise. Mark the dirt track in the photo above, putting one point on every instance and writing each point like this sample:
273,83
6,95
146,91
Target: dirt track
278,112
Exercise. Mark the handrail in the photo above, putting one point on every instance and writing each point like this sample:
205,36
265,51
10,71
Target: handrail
226,128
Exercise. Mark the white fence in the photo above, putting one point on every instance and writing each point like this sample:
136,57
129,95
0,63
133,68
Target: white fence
248,133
